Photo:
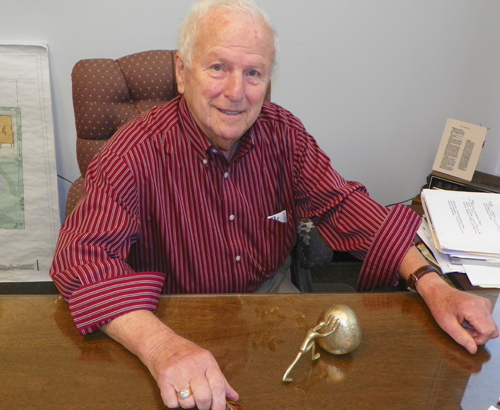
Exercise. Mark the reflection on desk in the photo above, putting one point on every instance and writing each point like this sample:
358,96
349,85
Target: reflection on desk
484,386
404,361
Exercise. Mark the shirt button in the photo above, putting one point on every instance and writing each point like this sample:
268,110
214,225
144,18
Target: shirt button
238,258
231,217
226,174
205,161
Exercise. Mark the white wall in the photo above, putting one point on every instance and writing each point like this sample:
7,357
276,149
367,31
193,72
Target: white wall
373,80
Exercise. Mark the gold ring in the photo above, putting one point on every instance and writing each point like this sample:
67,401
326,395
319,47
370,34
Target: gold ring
184,394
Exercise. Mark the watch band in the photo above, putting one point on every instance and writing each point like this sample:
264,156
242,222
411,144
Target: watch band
418,274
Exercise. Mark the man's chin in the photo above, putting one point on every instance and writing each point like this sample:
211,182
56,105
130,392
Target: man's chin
231,134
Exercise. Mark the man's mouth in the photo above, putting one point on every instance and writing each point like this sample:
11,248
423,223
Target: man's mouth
229,112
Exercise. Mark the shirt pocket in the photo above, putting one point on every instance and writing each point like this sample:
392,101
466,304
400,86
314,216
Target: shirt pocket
275,243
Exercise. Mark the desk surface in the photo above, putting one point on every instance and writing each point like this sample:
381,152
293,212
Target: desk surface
404,361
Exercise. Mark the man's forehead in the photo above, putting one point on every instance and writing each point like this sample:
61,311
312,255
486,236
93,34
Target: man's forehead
221,27
217,19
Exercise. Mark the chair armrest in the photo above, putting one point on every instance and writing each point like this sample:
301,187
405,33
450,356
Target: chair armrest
312,250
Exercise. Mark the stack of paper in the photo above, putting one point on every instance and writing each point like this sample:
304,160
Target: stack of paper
465,229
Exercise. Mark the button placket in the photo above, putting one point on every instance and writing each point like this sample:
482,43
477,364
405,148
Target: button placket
227,186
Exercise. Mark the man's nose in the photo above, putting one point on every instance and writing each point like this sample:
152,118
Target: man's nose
234,86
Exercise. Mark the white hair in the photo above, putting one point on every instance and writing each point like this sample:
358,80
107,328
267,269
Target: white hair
188,32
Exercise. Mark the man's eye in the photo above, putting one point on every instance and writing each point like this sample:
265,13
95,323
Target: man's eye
217,67
253,73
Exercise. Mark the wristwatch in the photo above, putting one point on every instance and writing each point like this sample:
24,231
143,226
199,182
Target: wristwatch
418,274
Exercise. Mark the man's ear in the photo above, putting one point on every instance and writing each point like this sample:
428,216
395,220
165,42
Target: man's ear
180,69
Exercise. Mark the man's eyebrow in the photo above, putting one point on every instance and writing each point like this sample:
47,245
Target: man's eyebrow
215,56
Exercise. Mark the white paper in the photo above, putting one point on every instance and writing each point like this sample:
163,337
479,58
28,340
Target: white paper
280,217
464,221
443,260
486,276
29,215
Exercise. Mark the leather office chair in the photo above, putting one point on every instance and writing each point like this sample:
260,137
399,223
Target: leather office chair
108,93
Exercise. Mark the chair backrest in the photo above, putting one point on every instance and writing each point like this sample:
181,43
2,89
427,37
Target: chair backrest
108,93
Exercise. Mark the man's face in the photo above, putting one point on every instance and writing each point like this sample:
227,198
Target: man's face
227,82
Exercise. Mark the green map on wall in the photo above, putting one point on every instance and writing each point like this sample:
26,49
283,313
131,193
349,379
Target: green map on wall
11,170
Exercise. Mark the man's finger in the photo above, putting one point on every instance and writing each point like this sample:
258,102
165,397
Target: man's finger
218,384
203,394
461,335
169,397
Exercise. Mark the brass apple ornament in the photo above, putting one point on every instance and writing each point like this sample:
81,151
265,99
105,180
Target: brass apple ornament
348,334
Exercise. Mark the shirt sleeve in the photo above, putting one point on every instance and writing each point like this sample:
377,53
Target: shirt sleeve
349,220
89,267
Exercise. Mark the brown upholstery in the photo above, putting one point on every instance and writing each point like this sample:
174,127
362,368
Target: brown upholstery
108,93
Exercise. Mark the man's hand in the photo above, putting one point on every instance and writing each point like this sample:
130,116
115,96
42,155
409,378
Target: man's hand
175,363
185,365
464,316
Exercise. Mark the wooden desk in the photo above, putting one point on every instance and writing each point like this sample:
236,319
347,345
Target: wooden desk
404,361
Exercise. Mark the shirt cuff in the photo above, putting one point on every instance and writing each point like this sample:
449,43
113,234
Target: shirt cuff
389,247
97,304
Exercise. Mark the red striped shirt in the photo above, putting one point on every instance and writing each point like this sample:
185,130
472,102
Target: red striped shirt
166,212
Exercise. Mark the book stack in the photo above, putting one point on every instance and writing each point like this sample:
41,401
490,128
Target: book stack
465,231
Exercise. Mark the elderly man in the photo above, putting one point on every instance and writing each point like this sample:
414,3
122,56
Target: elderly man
202,195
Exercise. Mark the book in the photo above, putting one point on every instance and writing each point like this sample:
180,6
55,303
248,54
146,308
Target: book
464,224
